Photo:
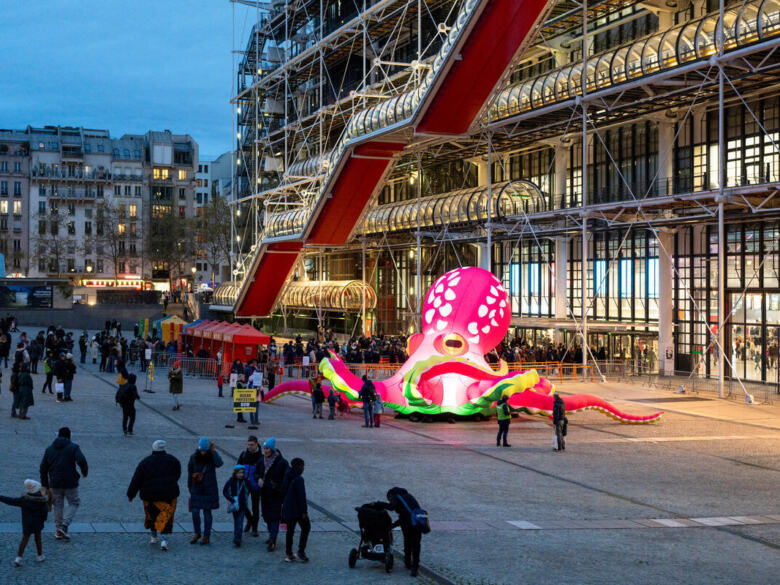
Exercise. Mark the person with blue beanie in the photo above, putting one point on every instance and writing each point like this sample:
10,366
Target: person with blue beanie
203,486
270,472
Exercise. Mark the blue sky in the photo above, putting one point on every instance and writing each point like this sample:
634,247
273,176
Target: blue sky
127,66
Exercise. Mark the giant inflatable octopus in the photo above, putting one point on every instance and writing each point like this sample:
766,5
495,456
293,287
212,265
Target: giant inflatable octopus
465,315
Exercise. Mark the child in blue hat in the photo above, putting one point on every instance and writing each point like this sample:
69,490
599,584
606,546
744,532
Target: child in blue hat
235,491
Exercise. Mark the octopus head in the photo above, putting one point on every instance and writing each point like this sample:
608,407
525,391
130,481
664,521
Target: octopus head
466,313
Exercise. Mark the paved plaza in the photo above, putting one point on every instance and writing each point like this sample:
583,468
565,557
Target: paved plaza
693,499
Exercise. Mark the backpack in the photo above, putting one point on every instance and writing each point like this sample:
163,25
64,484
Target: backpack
249,473
121,395
419,517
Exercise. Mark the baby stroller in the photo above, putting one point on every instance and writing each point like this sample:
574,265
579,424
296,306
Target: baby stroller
376,536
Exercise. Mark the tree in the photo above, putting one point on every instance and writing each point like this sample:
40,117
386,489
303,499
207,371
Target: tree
56,239
170,242
113,234
213,233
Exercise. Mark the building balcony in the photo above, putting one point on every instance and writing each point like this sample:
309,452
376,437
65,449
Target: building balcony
45,172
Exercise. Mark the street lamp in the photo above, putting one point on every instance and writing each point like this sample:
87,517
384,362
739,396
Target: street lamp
89,269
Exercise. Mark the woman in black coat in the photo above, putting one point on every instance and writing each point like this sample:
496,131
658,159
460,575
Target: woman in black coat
270,473
203,486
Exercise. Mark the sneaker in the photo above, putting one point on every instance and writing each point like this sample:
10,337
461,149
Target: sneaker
163,545
62,534
289,558
302,556
39,558
153,540
413,572
237,543
18,562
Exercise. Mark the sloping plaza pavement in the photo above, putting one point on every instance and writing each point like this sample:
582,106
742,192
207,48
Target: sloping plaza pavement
693,499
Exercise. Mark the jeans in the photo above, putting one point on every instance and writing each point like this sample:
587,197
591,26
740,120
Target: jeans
559,435
254,417
253,519
110,364
34,366
68,387
273,529
368,414
503,429
412,538
83,357
305,525
49,379
128,418
207,519
238,524
332,409
318,409
64,516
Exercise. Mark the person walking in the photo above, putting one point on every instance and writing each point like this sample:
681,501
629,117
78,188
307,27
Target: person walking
504,415
367,396
69,372
318,396
126,395
48,369
250,458
295,510
402,503
59,475
175,384
13,387
156,478
560,422
23,399
35,351
333,400
94,349
270,473
204,490
379,410
235,491
35,508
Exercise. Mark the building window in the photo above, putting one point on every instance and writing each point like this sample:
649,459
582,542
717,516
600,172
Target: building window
133,252
87,228
652,278
42,191
17,167
182,193
3,206
626,278
205,168
87,147
100,148
182,211
17,188
71,228
122,210
3,187
121,228
3,167
71,265
88,212
100,191
133,211
17,208
137,190
41,264
41,207
71,209
160,173
600,276
127,190
182,175
99,266
132,229
205,182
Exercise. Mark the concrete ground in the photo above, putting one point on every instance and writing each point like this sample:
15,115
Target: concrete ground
693,499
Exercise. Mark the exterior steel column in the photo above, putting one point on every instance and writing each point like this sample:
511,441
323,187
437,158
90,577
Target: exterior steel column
561,290
721,228
562,159
584,287
665,302
665,158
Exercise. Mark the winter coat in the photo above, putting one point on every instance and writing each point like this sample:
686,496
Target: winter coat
175,381
157,478
559,410
395,504
379,406
58,466
318,396
271,495
294,490
250,462
35,509
367,393
24,395
236,487
69,370
129,394
204,495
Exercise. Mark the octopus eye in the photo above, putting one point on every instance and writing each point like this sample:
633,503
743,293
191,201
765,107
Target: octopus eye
451,344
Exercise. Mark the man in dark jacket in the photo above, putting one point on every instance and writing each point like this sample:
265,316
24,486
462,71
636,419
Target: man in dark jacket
157,478
126,396
295,510
58,473
367,395
504,415
250,459
402,503
559,421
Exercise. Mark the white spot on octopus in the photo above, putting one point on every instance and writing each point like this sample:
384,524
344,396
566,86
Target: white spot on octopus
482,311
429,315
472,327
449,294
441,324
445,310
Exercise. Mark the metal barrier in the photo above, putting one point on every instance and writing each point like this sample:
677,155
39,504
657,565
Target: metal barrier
761,392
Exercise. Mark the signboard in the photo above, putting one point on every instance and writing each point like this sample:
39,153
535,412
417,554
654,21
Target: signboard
148,353
257,379
233,380
244,400
26,296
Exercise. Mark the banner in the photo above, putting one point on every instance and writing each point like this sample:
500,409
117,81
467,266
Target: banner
244,400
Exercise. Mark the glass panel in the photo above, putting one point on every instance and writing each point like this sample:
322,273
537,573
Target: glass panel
705,36
536,93
747,26
650,54
769,21
619,65
634,60
575,79
590,74
562,84
604,70
666,48
548,89
686,48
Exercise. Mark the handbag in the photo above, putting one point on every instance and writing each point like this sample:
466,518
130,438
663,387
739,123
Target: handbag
197,477
418,516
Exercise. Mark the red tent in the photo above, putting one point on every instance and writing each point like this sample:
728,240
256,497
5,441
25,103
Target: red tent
195,333
242,343
217,336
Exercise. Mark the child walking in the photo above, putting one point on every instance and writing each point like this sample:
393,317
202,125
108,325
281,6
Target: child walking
220,381
35,509
236,490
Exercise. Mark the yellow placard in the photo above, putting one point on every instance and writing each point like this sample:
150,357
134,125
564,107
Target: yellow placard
244,400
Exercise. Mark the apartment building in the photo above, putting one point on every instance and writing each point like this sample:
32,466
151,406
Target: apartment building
14,201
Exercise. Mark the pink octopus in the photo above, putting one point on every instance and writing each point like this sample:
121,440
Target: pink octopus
466,314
